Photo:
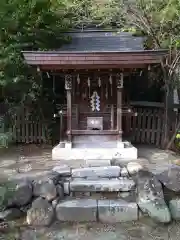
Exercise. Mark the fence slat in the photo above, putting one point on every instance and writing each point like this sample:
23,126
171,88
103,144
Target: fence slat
143,134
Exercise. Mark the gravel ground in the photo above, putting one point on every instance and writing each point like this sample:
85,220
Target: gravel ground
144,229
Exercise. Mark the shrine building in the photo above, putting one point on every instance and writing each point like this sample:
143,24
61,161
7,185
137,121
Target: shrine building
94,68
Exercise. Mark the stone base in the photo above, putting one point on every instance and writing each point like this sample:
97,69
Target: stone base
105,211
125,151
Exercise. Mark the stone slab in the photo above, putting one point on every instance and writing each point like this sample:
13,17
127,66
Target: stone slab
101,185
67,188
76,153
115,211
96,163
82,210
104,172
62,170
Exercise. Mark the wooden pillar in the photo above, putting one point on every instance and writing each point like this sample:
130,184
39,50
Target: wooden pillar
68,87
119,79
112,117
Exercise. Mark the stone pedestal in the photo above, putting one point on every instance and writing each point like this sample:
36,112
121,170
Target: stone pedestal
123,150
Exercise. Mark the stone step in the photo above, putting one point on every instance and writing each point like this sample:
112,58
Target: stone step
88,210
97,163
100,172
102,185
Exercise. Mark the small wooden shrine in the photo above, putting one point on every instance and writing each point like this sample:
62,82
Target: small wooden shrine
95,66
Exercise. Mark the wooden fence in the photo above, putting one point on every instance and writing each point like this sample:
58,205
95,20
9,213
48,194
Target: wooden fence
27,129
146,127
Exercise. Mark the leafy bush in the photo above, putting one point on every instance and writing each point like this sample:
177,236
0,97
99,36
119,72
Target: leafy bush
6,193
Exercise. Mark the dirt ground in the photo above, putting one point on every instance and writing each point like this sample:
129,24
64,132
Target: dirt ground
145,229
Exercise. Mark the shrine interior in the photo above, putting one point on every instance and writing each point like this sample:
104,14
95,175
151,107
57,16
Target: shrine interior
87,85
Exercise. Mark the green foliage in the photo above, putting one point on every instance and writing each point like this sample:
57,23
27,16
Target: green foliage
6,193
6,132
26,25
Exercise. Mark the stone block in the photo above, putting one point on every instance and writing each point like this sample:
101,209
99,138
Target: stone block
174,207
62,170
115,211
60,191
41,213
10,214
124,172
109,185
134,167
96,163
150,197
44,188
170,177
20,193
81,194
82,210
104,172
67,188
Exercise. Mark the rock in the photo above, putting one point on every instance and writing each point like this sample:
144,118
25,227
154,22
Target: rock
29,234
123,162
103,172
41,213
95,163
158,169
55,202
150,197
82,210
10,214
133,167
21,193
44,188
60,191
114,211
170,177
24,209
124,172
54,176
3,192
66,188
176,162
174,207
62,170
108,185
128,196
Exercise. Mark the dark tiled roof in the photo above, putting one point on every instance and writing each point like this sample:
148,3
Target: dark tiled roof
100,41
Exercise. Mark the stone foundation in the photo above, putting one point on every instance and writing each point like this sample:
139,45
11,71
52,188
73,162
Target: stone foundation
108,194
65,151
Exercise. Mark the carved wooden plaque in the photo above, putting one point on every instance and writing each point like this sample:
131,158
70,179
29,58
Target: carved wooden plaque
119,79
68,82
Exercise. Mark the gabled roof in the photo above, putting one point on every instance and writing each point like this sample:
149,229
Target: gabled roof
102,41
97,49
